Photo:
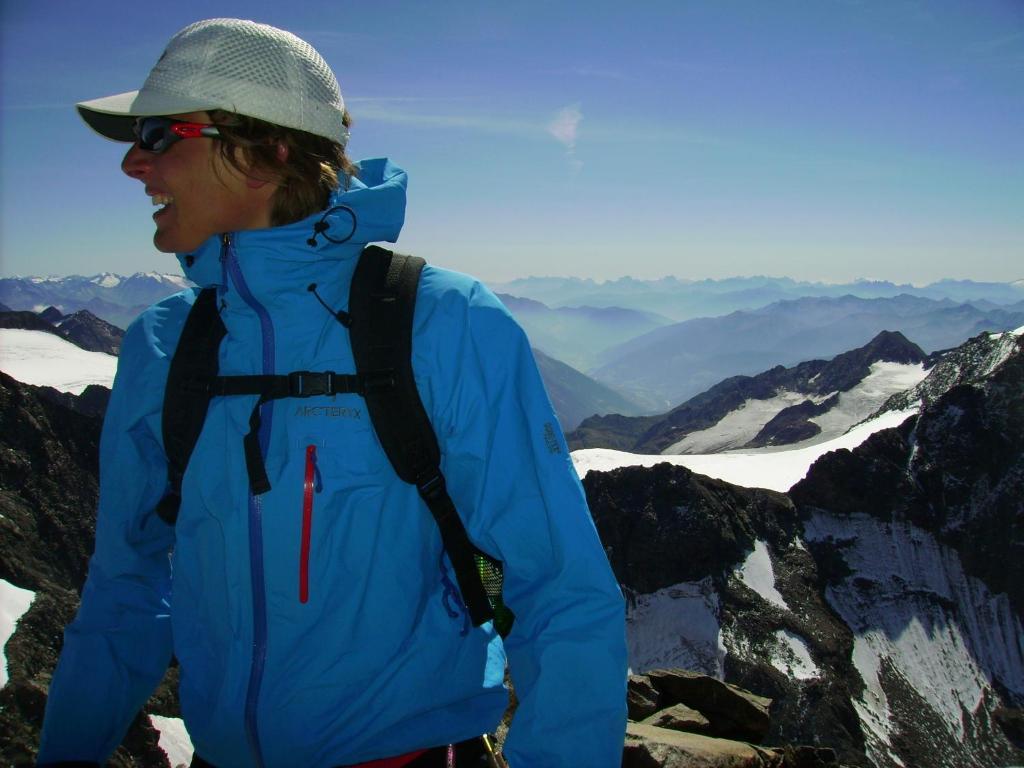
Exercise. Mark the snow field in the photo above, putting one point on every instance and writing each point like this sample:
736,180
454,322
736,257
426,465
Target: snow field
777,469
741,426
676,627
14,602
43,359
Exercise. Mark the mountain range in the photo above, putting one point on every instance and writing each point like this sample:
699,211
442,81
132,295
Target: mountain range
114,298
667,366
686,299
621,339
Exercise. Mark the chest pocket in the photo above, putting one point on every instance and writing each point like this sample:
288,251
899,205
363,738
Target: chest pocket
342,433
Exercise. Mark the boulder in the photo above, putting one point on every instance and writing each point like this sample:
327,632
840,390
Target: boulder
650,747
641,698
734,713
680,717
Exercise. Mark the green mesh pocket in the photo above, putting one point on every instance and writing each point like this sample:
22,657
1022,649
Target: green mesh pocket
491,577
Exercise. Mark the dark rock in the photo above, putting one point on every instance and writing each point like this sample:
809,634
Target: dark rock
89,332
793,424
734,713
52,315
26,321
1011,720
664,524
642,698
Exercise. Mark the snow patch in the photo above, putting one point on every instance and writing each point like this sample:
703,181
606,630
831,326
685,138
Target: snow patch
43,359
106,280
857,404
776,468
174,740
676,627
756,572
791,657
738,427
14,602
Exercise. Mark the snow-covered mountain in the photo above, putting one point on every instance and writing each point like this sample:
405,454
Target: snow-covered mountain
812,402
879,603
871,584
111,297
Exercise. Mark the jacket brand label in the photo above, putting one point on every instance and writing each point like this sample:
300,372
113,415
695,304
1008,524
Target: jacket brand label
329,411
551,438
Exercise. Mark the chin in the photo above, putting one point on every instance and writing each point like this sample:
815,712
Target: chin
166,243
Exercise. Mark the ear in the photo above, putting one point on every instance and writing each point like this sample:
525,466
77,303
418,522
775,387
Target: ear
282,152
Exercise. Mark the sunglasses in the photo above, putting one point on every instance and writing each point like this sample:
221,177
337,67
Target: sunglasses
156,134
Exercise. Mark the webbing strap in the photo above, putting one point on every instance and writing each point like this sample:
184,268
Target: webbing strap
184,409
382,304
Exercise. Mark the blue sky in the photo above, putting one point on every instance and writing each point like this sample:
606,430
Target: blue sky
817,139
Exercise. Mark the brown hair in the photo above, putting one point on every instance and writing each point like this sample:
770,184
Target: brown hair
313,169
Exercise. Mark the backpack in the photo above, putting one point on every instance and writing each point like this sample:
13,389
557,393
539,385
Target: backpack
382,298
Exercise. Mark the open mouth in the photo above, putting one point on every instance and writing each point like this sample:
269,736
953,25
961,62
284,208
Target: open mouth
164,201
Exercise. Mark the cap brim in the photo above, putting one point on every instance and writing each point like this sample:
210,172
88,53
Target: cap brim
114,116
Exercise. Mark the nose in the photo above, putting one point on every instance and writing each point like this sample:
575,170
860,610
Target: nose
136,162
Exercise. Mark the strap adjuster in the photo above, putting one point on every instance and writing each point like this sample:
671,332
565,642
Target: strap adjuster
432,487
310,383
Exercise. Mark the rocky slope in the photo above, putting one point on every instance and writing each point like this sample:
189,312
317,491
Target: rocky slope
575,396
878,604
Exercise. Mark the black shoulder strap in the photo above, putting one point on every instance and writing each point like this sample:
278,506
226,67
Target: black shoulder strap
185,404
381,303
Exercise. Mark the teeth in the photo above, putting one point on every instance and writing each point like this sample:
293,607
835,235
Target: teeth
161,199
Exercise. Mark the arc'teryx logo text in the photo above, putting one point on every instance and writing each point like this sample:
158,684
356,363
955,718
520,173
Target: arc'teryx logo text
329,411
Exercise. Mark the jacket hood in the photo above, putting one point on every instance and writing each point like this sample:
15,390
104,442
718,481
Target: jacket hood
370,209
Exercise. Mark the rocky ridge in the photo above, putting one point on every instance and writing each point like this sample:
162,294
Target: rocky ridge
820,381
83,329
878,604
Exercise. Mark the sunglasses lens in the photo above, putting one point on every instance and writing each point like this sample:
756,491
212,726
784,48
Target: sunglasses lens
154,134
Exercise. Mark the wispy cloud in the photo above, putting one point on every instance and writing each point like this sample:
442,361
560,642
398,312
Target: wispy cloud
565,127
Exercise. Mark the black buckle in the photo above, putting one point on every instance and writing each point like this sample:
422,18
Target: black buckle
310,383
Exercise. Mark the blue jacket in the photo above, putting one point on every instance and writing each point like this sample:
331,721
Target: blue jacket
377,661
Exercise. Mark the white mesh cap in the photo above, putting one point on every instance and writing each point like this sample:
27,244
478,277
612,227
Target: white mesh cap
240,66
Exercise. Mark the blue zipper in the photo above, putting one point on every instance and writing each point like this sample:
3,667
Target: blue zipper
259,597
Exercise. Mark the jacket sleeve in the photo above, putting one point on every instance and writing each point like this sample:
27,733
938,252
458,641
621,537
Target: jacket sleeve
511,476
119,645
